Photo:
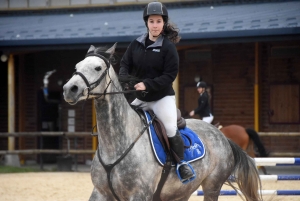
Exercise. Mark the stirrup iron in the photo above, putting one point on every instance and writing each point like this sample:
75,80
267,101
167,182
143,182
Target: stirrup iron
185,181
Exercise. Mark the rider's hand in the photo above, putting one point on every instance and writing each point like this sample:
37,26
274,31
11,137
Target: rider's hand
140,86
192,113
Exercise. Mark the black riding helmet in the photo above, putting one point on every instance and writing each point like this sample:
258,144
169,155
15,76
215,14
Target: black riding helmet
155,8
201,84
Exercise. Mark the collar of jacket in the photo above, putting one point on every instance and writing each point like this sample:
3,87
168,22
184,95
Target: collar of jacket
157,43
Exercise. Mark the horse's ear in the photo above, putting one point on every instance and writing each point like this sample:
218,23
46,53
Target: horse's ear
91,49
112,49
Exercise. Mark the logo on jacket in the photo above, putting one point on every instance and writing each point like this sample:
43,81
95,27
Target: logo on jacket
156,50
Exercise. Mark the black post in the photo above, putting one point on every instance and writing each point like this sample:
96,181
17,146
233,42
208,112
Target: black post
41,155
75,144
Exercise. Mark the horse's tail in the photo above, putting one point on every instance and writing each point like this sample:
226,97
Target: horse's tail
246,174
256,139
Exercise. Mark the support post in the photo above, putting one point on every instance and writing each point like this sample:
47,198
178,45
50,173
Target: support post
11,102
256,88
11,159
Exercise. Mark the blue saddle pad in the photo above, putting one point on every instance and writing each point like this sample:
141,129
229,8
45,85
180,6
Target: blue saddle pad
195,151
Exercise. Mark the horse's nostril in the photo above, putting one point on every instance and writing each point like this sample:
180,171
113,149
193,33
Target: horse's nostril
74,89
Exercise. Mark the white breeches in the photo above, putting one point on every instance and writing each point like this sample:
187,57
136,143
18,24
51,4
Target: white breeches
208,119
165,110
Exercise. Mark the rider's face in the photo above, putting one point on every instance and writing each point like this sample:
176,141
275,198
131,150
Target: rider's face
155,25
200,90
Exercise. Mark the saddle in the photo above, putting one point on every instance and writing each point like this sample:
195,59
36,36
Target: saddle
162,134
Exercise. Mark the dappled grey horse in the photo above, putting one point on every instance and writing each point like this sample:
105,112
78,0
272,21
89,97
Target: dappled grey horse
125,168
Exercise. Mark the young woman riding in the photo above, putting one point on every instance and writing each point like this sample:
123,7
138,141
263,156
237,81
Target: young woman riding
153,58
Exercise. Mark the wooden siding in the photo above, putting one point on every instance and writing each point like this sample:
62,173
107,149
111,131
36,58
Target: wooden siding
233,84
230,74
31,81
231,77
285,71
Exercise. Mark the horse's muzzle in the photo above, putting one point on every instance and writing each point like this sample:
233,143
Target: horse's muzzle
71,94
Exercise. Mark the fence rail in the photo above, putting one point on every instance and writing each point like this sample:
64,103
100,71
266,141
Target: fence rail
68,135
33,134
82,134
48,151
41,151
279,134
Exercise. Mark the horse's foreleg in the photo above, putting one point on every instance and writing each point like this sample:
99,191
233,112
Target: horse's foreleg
95,196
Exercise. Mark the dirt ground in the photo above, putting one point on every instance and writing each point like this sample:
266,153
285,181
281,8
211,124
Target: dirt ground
77,186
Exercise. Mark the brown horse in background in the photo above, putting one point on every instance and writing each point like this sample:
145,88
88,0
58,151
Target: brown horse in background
247,139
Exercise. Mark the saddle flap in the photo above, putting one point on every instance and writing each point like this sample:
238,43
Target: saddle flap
161,132
194,147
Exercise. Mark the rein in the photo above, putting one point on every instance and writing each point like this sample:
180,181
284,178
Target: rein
112,93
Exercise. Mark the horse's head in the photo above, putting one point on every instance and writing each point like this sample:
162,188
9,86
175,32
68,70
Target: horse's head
89,76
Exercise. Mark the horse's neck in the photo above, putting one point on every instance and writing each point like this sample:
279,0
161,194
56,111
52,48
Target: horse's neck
115,118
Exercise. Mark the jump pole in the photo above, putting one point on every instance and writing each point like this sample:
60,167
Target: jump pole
279,177
263,192
276,161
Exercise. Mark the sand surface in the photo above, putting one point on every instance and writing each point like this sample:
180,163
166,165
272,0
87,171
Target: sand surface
77,186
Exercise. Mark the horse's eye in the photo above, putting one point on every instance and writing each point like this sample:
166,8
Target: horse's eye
98,68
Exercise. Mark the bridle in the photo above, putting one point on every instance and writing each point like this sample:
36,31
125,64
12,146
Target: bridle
90,86
93,85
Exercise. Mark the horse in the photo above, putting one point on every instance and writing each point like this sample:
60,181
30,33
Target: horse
124,166
248,139
245,137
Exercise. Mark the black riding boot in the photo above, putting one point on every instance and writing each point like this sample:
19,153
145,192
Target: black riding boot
177,144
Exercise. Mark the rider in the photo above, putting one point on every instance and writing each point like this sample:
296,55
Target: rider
203,109
153,58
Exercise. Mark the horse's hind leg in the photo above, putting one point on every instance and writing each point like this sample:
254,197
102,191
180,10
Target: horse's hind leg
211,188
210,194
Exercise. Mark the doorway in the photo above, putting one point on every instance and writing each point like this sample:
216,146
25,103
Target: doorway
49,121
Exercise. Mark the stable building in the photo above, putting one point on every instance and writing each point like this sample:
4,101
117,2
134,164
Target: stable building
247,53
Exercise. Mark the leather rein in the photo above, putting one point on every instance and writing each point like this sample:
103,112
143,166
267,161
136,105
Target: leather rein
90,86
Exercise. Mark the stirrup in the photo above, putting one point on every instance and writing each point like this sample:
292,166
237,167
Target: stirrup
185,181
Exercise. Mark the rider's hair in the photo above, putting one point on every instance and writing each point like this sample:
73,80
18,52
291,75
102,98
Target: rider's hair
171,31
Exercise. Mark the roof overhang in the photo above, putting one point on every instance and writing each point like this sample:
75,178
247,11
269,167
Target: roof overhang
197,23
